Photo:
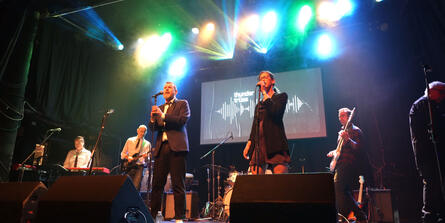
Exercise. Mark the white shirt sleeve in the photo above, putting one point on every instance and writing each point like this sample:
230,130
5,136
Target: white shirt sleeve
125,149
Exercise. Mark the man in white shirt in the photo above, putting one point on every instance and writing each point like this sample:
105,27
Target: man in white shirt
78,157
134,155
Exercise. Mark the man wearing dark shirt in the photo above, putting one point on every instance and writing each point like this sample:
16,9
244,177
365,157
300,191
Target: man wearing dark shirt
346,171
433,203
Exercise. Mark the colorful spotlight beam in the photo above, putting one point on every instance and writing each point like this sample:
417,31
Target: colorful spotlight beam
304,17
152,48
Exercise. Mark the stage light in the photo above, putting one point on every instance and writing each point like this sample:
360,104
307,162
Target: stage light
327,12
263,50
120,47
207,32
251,24
140,41
344,7
325,46
195,30
152,48
269,22
378,0
330,12
210,27
166,40
304,17
178,67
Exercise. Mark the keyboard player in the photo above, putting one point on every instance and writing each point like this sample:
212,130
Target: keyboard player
78,157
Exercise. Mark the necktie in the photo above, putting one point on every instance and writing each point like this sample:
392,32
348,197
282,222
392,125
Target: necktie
137,144
164,134
75,161
167,106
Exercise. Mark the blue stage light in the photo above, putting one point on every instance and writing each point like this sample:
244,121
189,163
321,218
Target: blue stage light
325,46
178,67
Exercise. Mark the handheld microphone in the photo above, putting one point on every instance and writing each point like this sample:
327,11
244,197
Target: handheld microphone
157,94
259,84
55,130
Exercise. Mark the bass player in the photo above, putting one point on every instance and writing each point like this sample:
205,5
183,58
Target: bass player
347,165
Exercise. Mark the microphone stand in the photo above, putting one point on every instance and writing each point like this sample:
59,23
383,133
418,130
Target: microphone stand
257,140
151,159
22,172
212,151
426,70
99,137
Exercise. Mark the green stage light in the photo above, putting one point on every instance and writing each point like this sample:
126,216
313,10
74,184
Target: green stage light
304,17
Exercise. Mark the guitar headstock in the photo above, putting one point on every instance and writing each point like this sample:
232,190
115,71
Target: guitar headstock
361,179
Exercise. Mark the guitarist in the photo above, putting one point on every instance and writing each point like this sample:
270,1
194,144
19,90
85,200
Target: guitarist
347,167
134,155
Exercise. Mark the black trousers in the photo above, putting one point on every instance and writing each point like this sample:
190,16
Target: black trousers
136,175
433,202
344,182
172,162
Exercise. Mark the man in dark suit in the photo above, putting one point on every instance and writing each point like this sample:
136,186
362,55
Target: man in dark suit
169,120
268,142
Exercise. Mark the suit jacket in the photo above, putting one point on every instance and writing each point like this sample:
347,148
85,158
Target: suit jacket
273,127
175,120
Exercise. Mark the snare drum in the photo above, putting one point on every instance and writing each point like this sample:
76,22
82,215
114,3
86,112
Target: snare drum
226,201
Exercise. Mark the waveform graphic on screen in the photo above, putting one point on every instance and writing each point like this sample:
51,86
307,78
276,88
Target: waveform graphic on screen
294,104
229,106
230,110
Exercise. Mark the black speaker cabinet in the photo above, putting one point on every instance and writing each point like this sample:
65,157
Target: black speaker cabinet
92,199
18,201
283,198
191,205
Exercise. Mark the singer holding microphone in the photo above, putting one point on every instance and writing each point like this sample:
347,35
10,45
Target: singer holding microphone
169,120
78,157
267,131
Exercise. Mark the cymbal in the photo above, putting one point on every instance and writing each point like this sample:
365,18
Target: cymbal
221,168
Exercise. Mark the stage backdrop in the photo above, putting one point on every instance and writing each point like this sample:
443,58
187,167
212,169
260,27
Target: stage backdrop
228,106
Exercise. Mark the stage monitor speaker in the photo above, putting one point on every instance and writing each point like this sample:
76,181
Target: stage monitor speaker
191,205
18,201
93,199
284,198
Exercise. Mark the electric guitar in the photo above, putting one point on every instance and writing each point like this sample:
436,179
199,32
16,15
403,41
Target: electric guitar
127,165
361,180
337,153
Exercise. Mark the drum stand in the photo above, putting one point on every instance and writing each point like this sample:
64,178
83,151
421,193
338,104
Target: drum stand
215,209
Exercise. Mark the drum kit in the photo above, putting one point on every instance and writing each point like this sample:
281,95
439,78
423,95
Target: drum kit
219,209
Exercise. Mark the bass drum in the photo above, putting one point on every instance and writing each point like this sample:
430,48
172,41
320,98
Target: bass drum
226,202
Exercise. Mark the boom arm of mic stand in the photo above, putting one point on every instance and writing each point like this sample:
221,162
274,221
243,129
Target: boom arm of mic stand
216,147
30,155
93,153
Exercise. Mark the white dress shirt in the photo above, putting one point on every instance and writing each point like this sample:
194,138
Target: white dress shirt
167,105
130,149
83,157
